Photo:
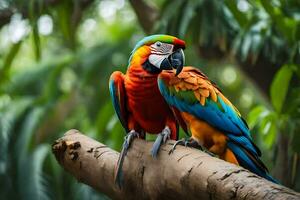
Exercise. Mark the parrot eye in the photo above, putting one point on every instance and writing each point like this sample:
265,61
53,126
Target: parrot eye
158,44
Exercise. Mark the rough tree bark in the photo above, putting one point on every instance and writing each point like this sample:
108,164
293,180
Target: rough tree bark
186,174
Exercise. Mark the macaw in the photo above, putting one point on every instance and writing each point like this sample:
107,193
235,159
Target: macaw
214,122
136,98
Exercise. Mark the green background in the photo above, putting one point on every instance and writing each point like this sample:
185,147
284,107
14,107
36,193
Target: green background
56,58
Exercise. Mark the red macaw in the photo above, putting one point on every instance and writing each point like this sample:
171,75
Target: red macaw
214,122
135,95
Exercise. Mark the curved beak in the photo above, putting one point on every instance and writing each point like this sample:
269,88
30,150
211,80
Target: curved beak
174,61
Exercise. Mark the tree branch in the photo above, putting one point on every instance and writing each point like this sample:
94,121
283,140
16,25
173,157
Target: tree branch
186,174
146,14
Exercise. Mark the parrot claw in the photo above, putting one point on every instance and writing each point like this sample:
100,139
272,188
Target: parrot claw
118,170
187,143
209,153
161,139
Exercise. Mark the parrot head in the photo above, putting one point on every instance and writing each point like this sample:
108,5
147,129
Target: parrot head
159,52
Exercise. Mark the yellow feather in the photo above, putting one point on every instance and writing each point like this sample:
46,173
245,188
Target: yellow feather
213,96
195,87
201,81
181,84
192,74
191,80
197,95
190,86
202,100
183,75
229,103
204,92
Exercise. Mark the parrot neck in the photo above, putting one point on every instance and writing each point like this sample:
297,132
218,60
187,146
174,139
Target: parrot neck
150,68
140,56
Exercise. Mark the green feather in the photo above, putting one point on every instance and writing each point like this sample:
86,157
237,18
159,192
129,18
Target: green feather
187,96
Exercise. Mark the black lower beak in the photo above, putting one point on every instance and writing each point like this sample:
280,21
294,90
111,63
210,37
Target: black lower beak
175,60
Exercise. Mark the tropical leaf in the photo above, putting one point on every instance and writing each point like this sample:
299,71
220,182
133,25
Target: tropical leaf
29,125
268,129
9,116
189,13
285,25
8,61
32,184
103,117
34,25
238,15
280,86
255,115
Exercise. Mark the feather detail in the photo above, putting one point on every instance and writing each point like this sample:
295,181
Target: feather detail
197,95
204,93
190,86
184,75
226,101
202,100
191,80
181,85
213,95
117,92
174,81
201,81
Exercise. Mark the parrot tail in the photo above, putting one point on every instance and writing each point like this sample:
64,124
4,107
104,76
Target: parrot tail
118,169
250,161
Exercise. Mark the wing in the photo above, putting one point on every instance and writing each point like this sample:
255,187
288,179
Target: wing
191,91
117,93
179,119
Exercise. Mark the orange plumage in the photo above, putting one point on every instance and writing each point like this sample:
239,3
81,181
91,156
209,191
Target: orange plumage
147,110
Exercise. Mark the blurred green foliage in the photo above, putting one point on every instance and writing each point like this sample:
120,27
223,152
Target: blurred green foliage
56,58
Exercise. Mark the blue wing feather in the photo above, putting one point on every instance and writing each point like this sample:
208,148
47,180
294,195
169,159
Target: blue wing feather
116,89
247,162
226,120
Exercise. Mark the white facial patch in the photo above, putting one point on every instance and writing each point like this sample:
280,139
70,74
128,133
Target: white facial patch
159,51
156,59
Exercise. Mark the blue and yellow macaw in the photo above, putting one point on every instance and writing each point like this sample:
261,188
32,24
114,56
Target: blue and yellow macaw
214,122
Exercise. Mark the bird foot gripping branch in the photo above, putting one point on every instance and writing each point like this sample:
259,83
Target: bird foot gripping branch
187,143
190,142
160,139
